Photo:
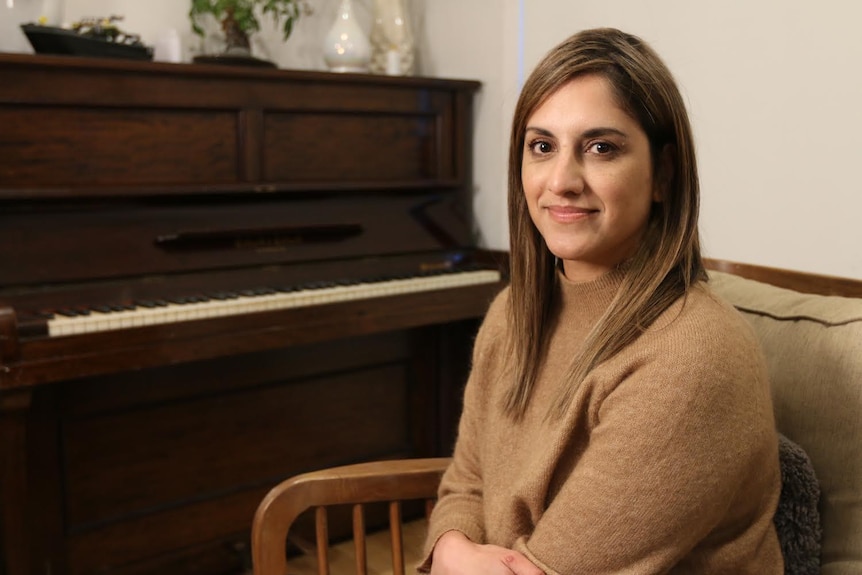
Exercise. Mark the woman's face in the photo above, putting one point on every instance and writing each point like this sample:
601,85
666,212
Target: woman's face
587,177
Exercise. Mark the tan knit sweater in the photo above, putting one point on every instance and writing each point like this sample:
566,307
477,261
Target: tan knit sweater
667,461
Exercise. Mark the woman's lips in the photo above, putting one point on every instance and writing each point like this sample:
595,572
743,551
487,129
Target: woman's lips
567,214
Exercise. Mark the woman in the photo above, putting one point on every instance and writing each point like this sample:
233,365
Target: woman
618,417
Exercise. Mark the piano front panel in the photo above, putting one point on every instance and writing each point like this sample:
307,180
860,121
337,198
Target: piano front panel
313,147
138,448
50,147
142,129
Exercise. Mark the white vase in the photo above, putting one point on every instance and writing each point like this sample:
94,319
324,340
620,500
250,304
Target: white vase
391,39
346,48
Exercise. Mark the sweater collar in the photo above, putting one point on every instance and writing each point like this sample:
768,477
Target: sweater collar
592,297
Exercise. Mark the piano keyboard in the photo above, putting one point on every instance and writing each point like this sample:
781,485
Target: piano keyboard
227,304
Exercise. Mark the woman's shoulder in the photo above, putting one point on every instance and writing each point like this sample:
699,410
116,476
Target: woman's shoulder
497,315
489,346
495,323
703,345
703,320
701,305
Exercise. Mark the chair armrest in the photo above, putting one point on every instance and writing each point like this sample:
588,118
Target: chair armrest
392,480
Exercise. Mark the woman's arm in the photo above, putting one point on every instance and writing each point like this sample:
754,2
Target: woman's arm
685,442
456,529
455,554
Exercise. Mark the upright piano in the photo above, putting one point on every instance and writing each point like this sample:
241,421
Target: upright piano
212,278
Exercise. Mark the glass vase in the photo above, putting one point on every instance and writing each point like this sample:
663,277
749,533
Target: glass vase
346,47
392,45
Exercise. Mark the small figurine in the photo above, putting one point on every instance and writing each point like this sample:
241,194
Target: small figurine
105,29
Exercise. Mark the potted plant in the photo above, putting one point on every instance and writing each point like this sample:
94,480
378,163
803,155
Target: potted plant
239,19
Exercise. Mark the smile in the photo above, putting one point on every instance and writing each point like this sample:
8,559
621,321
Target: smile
568,214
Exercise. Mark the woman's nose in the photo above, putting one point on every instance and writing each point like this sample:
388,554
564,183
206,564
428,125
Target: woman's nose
566,175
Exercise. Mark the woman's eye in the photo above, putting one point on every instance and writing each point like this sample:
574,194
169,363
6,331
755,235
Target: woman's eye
602,148
540,147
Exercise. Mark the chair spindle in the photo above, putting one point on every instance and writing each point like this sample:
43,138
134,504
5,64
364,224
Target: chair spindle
321,529
359,539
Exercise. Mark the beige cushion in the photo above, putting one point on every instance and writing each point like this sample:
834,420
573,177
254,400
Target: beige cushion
813,346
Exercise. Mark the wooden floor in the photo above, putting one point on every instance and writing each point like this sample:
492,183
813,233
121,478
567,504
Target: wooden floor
342,557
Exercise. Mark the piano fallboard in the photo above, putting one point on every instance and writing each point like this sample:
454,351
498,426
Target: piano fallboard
54,242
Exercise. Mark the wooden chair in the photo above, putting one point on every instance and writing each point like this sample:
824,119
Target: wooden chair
360,484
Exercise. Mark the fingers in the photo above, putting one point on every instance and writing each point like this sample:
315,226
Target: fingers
518,564
455,554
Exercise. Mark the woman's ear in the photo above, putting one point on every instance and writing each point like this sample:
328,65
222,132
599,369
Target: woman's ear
664,173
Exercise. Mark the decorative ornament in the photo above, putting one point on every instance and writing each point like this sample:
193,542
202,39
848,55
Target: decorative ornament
346,47
392,39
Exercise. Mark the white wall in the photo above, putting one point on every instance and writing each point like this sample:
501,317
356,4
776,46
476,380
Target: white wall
773,89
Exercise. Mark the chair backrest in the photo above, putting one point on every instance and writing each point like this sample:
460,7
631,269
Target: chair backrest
360,484
810,327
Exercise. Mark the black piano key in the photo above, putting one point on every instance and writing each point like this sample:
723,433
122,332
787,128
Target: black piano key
69,312
220,296
150,303
178,300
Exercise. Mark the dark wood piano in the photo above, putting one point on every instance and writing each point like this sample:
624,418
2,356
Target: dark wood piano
212,278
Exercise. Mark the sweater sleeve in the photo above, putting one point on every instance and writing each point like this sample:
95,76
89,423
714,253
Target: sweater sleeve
683,442
459,503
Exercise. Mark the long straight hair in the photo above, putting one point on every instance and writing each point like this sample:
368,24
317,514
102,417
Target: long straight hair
667,262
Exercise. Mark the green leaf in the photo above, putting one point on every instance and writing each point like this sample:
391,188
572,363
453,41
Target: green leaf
285,11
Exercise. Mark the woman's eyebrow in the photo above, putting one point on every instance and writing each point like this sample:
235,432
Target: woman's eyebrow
589,133
540,131
601,131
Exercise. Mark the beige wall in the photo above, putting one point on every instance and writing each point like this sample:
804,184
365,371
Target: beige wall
773,88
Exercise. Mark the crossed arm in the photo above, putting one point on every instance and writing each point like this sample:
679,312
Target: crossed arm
657,477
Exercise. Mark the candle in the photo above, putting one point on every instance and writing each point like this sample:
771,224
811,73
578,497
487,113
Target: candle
393,62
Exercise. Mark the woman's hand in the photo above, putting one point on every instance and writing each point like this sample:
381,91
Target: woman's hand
455,554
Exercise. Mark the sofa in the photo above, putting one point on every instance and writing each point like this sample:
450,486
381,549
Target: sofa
813,346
